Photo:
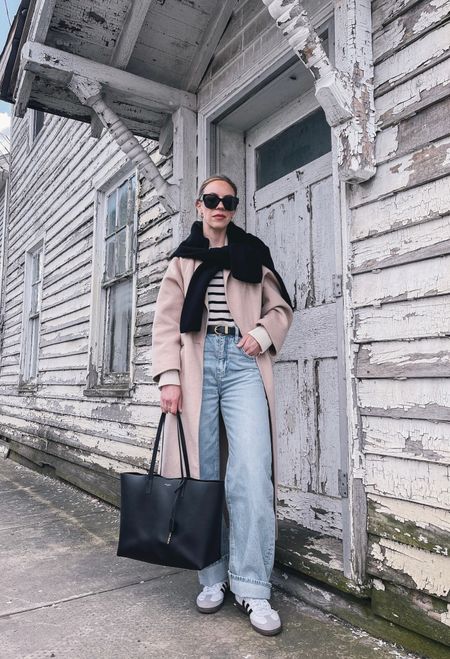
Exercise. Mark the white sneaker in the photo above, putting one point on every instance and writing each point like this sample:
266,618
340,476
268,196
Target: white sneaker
212,597
263,618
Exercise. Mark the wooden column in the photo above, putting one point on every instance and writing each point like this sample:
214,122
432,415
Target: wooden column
184,170
345,94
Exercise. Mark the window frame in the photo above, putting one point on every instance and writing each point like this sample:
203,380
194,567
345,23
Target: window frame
99,382
27,381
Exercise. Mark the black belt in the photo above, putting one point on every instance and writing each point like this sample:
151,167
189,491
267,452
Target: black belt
222,329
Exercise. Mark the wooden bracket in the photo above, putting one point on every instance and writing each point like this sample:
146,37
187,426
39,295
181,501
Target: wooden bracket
90,93
346,96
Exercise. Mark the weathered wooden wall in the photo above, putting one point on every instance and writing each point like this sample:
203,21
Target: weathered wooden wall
87,440
3,187
400,232
400,226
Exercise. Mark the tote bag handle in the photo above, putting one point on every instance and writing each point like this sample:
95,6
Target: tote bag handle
181,445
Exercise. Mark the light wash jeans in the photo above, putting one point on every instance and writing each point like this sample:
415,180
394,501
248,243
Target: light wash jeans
231,380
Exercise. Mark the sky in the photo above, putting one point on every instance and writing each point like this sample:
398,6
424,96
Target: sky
5,108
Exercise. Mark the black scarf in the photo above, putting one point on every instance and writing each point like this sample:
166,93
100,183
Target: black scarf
244,255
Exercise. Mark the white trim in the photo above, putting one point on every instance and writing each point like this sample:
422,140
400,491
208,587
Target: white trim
103,185
3,255
355,516
34,245
183,171
39,26
52,63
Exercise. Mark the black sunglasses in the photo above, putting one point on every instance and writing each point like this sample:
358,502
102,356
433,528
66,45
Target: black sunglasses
212,200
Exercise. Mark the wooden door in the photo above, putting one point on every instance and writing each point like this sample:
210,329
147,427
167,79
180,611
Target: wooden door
294,215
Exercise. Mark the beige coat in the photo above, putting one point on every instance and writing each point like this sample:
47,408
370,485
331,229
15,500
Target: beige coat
250,305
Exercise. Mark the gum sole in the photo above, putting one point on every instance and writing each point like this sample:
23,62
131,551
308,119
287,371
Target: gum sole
214,609
264,632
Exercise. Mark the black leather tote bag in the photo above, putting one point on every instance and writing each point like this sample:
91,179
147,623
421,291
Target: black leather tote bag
170,521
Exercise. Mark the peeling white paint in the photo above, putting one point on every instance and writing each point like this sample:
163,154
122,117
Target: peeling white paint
425,239
378,584
411,58
445,617
422,482
429,572
428,17
407,207
403,510
404,97
404,282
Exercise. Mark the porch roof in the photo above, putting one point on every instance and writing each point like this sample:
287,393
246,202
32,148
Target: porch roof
148,55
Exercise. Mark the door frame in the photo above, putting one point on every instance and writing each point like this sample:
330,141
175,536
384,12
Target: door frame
354,506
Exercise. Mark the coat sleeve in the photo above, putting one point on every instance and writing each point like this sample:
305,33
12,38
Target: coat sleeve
166,337
276,314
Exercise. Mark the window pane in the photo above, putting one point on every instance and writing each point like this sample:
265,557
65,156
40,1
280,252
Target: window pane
110,260
111,213
123,204
33,353
38,121
36,267
119,330
294,147
34,298
121,249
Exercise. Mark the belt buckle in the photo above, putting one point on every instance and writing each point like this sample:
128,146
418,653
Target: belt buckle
225,327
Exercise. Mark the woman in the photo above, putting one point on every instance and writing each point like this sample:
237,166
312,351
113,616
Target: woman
222,314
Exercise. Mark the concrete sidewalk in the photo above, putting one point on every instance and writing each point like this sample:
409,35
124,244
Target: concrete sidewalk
64,593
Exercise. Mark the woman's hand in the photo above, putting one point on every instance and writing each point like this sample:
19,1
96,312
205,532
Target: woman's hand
250,345
171,398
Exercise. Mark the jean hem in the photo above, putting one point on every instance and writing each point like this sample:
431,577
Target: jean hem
214,573
249,587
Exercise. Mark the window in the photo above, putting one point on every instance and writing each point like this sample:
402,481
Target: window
112,315
117,279
37,118
294,147
31,316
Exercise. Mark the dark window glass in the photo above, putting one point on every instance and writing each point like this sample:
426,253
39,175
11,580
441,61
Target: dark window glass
119,326
38,121
296,146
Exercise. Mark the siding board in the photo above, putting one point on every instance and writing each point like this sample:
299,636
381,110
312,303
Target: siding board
413,398
405,245
428,358
423,440
403,282
410,567
427,164
417,57
409,523
412,96
421,318
411,480
423,17
421,613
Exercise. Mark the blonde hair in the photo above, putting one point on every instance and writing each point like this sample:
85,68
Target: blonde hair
216,177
